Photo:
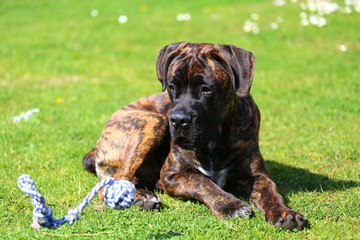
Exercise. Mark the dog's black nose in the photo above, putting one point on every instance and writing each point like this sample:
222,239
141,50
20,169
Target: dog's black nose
180,119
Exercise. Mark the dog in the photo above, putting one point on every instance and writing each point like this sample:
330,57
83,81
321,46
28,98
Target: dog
197,137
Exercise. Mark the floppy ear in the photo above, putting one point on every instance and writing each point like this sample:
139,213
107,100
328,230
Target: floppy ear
241,64
164,58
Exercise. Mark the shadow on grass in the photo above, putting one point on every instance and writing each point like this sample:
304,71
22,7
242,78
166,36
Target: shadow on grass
291,180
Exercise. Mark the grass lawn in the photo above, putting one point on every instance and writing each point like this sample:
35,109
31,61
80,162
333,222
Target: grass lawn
77,63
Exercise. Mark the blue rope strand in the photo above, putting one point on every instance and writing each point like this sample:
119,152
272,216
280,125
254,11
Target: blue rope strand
118,194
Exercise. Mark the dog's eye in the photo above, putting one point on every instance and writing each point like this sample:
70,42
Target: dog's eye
171,87
205,90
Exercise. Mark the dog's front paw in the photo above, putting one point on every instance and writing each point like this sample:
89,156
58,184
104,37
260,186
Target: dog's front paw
233,209
147,200
287,219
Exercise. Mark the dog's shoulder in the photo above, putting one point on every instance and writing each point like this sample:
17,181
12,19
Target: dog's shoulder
160,102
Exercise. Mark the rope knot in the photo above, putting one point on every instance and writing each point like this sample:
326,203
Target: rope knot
119,194
42,217
72,216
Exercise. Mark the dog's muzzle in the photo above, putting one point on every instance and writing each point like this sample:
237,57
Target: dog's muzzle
182,131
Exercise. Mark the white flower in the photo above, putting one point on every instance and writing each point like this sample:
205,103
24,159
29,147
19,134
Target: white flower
347,10
94,13
332,7
355,3
312,6
357,7
303,15
254,16
122,19
187,16
303,6
343,48
183,17
255,29
314,19
279,3
274,25
321,22
251,26
247,26
304,22
348,2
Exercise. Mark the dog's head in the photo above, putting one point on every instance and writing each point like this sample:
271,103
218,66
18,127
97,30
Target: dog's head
204,82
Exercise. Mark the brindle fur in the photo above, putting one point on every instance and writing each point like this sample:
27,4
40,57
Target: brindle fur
197,139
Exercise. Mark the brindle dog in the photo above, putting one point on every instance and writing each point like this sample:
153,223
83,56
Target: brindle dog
196,139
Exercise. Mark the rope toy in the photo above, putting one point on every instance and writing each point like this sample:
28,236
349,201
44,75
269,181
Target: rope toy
118,194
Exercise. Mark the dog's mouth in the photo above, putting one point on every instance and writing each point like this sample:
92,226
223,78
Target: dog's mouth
185,143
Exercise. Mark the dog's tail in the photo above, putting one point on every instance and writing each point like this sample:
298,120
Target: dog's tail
88,161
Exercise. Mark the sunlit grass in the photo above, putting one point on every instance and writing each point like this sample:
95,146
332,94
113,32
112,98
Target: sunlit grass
79,62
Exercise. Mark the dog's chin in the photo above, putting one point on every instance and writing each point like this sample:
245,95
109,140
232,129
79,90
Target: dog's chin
187,144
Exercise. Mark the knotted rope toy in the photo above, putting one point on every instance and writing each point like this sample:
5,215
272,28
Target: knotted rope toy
118,194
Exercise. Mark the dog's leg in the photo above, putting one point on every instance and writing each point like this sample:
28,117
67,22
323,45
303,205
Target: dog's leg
128,149
265,197
180,182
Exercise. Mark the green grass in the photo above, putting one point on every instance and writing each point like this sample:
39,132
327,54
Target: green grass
307,90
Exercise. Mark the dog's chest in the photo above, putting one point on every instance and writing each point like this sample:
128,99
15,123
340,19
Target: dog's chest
219,177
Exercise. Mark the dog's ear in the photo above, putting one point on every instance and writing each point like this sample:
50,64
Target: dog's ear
241,65
164,59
